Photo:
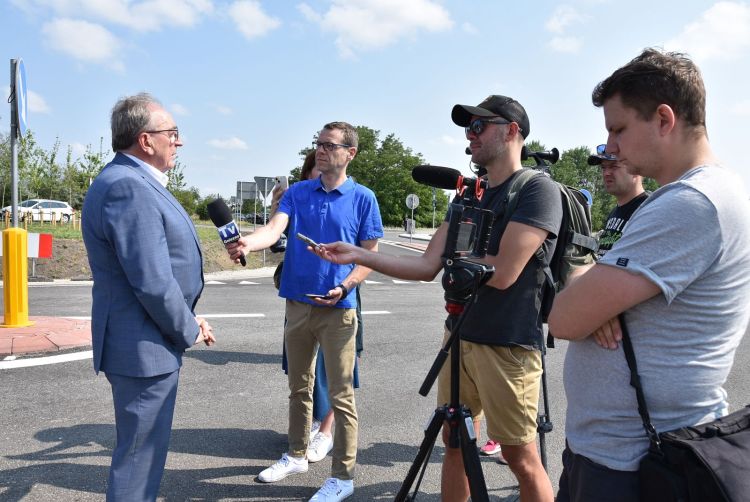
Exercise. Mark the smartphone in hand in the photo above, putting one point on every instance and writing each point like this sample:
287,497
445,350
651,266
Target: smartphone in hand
307,240
313,295
283,182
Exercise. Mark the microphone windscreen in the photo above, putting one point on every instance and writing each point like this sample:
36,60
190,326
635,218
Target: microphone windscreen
219,212
436,176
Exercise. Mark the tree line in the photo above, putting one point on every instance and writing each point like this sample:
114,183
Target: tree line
384,165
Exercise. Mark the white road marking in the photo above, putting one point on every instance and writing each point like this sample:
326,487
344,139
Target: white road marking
372,282
228,316
214,282
396,281
248,282
40,361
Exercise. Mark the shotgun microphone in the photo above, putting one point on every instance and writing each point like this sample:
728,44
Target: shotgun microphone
220,215
443,177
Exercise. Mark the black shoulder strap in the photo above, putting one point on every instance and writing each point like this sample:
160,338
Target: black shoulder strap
635,381
517,183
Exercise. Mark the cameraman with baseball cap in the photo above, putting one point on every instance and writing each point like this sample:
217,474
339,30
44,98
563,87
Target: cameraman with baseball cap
501,335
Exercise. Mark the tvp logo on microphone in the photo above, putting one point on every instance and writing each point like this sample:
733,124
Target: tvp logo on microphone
229,232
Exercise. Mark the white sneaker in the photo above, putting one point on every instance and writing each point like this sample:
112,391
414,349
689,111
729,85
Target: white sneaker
283,468
319,447
314,429
333,490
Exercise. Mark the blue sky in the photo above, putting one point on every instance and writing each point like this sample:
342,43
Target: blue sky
249,82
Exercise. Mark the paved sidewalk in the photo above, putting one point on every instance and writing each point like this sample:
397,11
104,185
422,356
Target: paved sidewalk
48,334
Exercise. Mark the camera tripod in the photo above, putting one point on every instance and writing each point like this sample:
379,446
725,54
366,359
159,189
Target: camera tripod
462,277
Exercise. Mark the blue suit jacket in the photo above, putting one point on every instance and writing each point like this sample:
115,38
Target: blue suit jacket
146,262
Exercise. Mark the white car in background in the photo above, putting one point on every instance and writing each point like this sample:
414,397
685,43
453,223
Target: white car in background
43,210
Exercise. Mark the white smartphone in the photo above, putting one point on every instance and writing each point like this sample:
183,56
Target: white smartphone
283,182
307,240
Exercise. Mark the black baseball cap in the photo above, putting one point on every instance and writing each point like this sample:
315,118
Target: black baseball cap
494,106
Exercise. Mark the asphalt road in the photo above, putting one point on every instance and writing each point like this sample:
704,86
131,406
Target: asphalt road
56,425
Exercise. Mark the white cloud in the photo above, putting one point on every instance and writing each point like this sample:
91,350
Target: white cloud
448,140
224,110
179,109
566,44
144,15
563,17
742,109
250,19
722,32
374,24
37,104
231,143
77,150
84,41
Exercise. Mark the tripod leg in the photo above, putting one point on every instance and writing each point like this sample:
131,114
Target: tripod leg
423,455
470,455
544,424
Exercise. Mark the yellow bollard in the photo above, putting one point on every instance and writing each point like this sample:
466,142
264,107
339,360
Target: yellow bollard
15,278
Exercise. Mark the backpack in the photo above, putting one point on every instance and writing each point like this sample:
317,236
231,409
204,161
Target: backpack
575,245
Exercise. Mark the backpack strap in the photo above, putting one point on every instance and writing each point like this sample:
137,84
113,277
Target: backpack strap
518,181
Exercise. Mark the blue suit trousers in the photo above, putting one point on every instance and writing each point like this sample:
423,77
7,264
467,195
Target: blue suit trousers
144,408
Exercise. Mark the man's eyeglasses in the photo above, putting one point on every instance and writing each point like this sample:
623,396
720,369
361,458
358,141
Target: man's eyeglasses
173,134
477,125
328,146
601,151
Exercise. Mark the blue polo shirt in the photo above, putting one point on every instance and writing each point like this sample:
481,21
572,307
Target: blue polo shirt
349,213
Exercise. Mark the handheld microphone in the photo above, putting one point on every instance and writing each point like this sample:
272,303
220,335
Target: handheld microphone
220,215
444,177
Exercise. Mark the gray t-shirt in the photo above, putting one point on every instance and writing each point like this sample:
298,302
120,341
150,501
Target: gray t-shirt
692,239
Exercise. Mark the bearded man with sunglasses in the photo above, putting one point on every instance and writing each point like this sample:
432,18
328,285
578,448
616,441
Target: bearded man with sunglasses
626,188
501,336
327,208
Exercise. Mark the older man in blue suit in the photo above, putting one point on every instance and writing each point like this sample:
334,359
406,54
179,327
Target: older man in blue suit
146,262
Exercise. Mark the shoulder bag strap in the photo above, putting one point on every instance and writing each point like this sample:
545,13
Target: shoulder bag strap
635,381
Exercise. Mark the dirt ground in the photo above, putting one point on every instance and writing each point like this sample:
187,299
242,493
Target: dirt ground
69,260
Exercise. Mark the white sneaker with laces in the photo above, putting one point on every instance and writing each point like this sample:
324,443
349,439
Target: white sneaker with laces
319,447
283,468
333,490
314,429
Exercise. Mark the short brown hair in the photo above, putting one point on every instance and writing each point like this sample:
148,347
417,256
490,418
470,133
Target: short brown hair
653,78
351,137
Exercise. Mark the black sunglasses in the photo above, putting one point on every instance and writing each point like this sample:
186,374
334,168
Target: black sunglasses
477,125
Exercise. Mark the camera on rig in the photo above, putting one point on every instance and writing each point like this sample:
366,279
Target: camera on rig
468,235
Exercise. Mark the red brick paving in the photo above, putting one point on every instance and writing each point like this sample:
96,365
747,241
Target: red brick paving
48,334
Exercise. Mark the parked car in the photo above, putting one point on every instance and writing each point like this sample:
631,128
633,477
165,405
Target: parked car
43,210
255,218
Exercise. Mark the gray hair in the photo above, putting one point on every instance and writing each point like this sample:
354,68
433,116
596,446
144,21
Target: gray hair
130,116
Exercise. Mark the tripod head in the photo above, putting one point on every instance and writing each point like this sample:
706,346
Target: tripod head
461,280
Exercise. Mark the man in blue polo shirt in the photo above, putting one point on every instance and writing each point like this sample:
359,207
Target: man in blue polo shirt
327,209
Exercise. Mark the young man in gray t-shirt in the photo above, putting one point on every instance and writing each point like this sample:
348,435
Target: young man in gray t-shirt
679,273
